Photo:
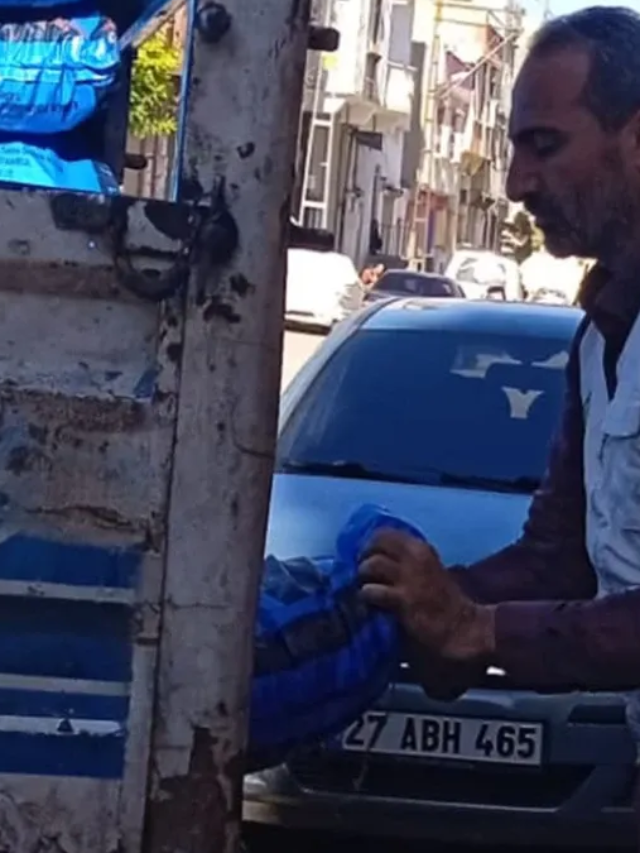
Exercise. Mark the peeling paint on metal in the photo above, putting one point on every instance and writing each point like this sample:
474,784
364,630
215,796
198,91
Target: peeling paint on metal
87,415
196,800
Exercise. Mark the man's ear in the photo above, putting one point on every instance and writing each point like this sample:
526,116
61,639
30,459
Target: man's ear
631,139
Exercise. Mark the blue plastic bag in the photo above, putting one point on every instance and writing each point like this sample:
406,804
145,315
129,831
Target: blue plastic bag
24,5
53,74
322,657
40,165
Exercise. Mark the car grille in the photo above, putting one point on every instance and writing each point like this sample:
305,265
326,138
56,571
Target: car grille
472,784
491,680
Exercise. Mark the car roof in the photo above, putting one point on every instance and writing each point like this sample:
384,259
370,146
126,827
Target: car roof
484,316
480,253
317,262
415,274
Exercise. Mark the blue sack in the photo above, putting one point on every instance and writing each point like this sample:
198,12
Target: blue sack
42,166
25,5
322,657
53,74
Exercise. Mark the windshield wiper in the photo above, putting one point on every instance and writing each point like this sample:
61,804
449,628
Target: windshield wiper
344,469
519,485
350,470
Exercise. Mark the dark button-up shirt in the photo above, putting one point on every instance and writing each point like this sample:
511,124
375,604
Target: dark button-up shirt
551,634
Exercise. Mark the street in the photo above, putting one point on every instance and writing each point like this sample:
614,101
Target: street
297,348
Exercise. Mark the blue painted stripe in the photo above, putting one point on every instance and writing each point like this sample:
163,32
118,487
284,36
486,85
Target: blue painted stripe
30,558
86,756
38,703
65,639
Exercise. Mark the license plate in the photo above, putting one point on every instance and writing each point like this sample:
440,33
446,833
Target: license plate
455,738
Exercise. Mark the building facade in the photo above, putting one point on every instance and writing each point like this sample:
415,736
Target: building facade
358,107
459,144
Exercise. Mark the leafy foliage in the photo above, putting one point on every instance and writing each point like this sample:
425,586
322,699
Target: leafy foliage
522,237
153,107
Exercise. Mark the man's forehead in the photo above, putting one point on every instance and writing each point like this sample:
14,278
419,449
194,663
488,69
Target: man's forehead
548,87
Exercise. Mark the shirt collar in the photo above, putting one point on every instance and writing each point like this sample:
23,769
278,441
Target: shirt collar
611,301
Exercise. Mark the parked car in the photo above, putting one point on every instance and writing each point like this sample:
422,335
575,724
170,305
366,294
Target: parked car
486,275
411,283
548,296
552,280
442,411
322,288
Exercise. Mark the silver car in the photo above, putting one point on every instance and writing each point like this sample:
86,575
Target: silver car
441,411
486,275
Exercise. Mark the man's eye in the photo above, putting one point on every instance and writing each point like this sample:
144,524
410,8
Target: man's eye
545,144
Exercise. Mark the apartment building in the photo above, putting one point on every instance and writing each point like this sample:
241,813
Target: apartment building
458,145
357,109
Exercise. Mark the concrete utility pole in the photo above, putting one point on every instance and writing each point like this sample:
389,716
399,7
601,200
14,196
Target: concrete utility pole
241,127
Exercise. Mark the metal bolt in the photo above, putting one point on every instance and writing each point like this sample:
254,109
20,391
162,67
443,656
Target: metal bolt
213,22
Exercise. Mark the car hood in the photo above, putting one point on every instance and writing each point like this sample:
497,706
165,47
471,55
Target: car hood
465,525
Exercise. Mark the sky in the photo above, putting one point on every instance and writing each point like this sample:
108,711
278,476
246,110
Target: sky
560,7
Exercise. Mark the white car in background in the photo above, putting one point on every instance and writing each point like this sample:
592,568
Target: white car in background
322,288
486,275
552,280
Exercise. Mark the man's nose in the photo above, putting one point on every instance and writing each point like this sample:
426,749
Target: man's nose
522,179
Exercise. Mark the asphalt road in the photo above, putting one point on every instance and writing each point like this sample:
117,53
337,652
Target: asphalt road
297,348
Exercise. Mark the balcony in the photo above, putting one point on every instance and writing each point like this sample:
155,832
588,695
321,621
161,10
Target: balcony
399,90
386,92
441,175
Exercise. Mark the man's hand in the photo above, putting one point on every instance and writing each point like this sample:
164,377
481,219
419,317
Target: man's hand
405,576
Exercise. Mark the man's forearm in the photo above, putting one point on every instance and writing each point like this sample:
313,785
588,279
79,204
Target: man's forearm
527,571
560,646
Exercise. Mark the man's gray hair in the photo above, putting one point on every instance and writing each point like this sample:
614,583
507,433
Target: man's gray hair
611,36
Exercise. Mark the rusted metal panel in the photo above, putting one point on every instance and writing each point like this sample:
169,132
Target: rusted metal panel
88,397
140,347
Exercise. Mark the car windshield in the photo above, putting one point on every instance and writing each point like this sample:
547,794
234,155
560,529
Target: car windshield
432,407
414,285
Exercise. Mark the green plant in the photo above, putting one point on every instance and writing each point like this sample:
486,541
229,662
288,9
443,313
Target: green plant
153,106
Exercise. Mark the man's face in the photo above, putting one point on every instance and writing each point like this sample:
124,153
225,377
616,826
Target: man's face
580,182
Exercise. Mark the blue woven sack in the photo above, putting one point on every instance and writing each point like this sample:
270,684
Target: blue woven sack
53,74
41,165
322,657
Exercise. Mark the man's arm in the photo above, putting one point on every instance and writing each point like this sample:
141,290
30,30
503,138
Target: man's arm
549,561
572,645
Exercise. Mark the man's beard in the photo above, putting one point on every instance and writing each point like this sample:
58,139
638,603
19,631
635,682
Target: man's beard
598,223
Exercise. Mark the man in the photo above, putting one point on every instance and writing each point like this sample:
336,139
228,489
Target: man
559,609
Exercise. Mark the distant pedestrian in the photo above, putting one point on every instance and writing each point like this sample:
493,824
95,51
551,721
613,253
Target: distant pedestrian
367,277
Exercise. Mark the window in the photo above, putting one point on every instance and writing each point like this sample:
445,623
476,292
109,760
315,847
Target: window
417,405
401,282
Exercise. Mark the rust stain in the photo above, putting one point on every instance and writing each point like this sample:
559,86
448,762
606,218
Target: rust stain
23,459
246,150
216,307
190,813
174,352
77,414
241,285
